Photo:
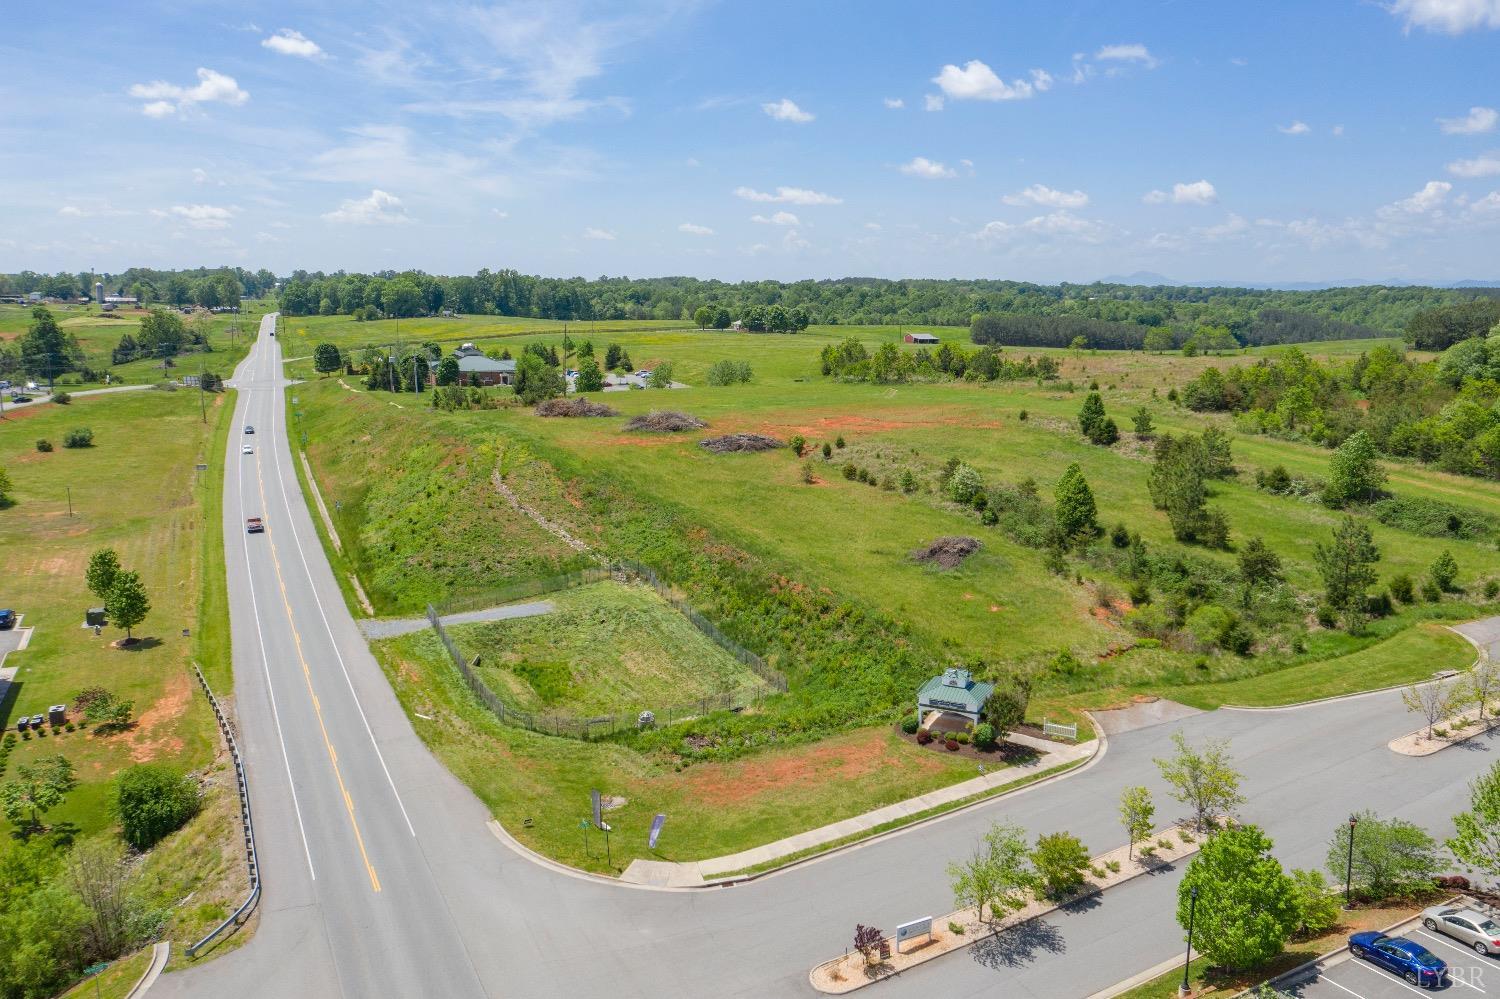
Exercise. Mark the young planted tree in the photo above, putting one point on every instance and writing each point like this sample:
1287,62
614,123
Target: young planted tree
1317,907
996,876
1393,858
1059,860
103,567
1075,511
590,378
1142,423
1137,815
1476,838
326,358
1259,566
7,488
661,376
1354,472
1246,907
1434,701
1347,565
867,940
1444,571
1202,779
37,789
1484,681
127,602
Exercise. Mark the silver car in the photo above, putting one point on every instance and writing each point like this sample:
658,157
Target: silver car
1471,926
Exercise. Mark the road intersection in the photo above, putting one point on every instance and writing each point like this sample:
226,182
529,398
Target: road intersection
382,878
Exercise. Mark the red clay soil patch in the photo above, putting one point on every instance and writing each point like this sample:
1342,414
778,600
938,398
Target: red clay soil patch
169,707
846,759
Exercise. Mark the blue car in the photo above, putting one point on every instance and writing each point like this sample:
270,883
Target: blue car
1409,959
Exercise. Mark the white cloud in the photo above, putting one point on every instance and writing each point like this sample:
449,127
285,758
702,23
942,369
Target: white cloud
1483,165
1060,225
927,169
204,216
788,196
1295,128
894,102
787,110
71,211
1451,16
592,233
1041,194
1338,130
779,218
873,226
1489,203
1477,121
292,43
932,102
1135,53
695,230
1041,80
1199,192
1431,196
499,214
977,82
164,98
379,208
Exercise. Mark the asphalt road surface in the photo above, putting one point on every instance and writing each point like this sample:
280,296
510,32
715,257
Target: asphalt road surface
382,879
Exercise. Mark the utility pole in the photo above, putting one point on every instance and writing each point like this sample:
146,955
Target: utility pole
202,402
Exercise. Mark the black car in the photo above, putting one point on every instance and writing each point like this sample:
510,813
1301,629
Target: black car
20,398
7,618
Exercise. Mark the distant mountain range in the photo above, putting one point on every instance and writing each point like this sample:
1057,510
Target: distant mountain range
1150,278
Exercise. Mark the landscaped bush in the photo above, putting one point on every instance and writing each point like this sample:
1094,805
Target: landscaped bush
1402,588
797,444
924,737
44,445
79,437
153,800
951,744
962,738
984,735
910,723
61,398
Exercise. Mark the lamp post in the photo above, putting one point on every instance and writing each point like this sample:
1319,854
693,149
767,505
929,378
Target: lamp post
1187,959
1349,865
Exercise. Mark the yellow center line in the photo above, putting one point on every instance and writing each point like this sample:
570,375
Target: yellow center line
307,677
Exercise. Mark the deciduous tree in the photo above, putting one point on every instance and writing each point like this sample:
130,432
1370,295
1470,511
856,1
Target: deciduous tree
1392,857
37,789
997,874
1354,472
1203,779
128,603
1059,860
103,567
1476,838
1246,906
1137,814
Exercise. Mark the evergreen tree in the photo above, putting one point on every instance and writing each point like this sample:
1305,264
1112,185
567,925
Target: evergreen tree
1075,512
1347,566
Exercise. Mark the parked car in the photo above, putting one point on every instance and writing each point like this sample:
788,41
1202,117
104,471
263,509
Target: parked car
249,429
254,525
17,397
7,618
1407,958
1471,926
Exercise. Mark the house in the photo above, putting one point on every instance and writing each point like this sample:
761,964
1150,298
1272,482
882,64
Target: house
923,338
474,368
952,696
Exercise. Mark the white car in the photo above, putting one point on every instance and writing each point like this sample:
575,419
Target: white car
1471,926
247,449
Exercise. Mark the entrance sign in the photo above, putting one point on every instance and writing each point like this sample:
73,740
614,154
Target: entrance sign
915,928
598,808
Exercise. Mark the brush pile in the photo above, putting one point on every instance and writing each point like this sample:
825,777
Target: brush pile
947,552
574,407
737,443
665,421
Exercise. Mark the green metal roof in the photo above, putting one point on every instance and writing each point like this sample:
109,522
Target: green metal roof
969,697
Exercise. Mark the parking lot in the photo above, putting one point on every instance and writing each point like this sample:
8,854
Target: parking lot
1345,977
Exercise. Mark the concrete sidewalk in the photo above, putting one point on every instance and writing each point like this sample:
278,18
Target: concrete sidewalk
390,628
664,874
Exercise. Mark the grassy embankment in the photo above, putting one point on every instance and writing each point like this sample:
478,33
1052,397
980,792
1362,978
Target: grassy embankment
137,490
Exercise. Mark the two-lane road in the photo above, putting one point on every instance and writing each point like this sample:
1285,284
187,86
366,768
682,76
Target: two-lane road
381,878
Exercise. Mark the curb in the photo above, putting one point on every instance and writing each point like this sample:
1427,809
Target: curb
527,853
1141,978
1005,929
160,952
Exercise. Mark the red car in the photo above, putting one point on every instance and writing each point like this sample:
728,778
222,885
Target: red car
253,525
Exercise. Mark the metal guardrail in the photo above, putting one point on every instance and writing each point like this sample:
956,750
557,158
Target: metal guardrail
251,860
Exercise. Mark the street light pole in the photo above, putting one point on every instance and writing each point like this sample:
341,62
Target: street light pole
1349,865
1187,959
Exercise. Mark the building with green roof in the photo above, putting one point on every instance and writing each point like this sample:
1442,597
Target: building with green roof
954,692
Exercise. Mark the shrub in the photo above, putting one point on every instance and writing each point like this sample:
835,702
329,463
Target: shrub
1059,859
1023,416
797,444
1444,571
957,929
61,398
962,738
1327,615
850,471
950,744
1452,882
1491,589
44,445
910,723
1277,480
1119,536
79,437
1164,843
807,473
153,800
1096,871
923,737
827,450
1113,865
984,736
1402,588
1431,592
838,441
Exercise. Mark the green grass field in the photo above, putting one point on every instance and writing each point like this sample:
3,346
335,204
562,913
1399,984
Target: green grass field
607,648
139,491
438,530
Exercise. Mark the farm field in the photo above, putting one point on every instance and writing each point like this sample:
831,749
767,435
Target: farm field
815,571
606,648
136,490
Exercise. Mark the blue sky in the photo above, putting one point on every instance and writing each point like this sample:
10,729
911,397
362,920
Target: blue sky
1273,141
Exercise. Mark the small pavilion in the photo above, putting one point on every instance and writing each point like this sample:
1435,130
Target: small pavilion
952,700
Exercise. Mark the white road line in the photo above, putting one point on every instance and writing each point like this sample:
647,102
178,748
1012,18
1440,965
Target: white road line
239,476
1466,952
1336,985
280,474
1389,976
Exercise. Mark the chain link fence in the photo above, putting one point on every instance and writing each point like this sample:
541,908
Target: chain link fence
603,726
